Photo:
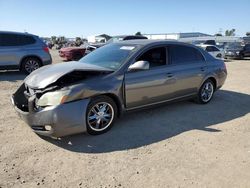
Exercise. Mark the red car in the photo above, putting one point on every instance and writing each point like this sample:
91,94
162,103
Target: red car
72,53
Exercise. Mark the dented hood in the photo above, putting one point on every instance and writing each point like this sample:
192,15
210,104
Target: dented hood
47,75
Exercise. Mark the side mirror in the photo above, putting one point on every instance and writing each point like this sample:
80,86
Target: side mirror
139,65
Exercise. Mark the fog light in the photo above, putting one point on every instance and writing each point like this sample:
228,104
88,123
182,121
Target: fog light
47,127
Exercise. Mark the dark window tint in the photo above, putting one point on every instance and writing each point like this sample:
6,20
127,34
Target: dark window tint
156,57
134,37
15,40
247,46
184,54
211,49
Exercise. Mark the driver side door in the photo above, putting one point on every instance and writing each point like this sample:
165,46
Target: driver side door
149,86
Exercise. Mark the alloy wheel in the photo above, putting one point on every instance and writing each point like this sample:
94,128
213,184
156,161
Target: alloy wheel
207,91
100,116
31,65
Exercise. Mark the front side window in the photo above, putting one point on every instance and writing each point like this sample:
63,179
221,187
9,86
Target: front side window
184,54
110,56
156,57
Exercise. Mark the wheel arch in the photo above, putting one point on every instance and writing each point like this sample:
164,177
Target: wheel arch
210,78
115,99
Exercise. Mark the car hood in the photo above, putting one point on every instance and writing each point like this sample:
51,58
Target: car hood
49,74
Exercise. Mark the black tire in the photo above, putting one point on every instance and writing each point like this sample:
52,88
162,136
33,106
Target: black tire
93,128
204,98
30,64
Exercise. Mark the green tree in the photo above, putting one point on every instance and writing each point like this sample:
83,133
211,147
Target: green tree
248,34
230,32
53,40
218,34
61,40
138,33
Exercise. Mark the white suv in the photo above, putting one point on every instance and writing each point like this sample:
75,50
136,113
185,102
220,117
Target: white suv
213,50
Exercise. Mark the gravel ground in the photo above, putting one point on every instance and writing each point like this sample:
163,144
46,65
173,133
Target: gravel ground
176,145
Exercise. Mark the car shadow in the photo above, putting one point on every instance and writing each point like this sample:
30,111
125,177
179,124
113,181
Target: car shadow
146,127
12,76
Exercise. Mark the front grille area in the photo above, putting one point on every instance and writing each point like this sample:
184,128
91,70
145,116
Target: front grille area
20,100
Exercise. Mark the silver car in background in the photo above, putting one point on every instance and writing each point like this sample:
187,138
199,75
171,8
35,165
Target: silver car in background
88,95
22,51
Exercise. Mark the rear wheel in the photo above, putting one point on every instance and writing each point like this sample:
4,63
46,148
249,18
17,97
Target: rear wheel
101,114
206,92
30,64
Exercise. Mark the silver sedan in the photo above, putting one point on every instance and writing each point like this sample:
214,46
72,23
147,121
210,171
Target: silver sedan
89,95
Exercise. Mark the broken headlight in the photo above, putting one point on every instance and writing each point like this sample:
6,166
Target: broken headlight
53,98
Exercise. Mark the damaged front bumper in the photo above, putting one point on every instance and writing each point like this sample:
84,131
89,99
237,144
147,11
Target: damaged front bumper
64,119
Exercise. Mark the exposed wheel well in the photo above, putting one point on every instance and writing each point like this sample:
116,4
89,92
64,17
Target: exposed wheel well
26,57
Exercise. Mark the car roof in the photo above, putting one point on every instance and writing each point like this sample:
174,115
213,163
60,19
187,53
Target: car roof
14,32
144,42
206,45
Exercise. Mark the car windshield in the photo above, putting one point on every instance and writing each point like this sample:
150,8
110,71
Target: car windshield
110,56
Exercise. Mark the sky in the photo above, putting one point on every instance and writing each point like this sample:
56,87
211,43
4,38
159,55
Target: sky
81,18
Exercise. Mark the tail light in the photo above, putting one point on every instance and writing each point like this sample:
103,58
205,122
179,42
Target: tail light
46,49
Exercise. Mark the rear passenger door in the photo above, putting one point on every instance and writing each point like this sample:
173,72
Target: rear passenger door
188,67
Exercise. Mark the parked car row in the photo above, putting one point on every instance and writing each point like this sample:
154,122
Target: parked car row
76,53
28,52
235,50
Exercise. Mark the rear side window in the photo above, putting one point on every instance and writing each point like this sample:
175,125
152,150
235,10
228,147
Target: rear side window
211,49
184,54
15,40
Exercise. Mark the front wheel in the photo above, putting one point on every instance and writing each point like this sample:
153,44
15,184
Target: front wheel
206,92
101,114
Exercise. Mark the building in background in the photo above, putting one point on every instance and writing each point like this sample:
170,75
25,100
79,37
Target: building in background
98,38
175,36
